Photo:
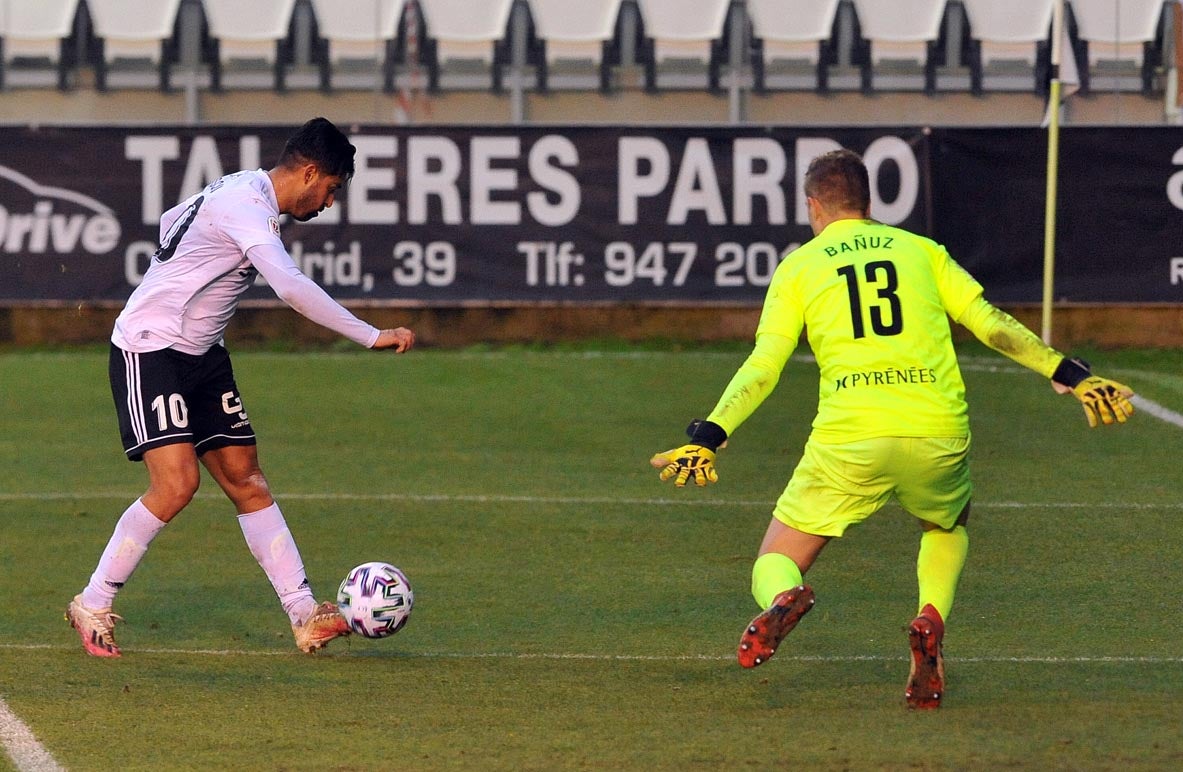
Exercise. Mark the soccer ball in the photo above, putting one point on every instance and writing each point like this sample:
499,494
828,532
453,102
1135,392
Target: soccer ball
375,599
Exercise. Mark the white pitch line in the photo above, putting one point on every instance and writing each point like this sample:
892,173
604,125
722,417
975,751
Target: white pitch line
509,499
444,497
1084,660
26,753
588,500
1158,411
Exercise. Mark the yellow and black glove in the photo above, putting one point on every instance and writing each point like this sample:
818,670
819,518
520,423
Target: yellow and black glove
1105,401
696,459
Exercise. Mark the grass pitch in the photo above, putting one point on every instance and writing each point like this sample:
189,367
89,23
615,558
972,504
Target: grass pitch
571,612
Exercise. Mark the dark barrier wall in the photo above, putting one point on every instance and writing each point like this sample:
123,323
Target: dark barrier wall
445,216
1119,232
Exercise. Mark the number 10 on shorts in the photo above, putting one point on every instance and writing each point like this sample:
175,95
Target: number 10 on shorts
171,407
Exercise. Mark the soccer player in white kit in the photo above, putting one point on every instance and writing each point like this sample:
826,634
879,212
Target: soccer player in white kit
173,383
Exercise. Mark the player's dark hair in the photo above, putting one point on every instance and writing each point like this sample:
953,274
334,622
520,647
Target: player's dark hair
320,142
840,181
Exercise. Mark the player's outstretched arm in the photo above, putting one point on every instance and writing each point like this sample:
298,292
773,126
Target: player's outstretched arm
754,381
400,339
1104,401
310,299
695,459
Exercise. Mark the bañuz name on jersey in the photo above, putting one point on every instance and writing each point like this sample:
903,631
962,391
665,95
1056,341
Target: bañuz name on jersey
859,243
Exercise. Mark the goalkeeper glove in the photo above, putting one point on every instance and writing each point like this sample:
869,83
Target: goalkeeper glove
696,459
1104,401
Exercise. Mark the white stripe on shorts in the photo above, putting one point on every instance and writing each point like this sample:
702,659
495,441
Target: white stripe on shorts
135,401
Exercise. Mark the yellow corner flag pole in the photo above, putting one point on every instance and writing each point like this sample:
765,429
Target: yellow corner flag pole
1053,170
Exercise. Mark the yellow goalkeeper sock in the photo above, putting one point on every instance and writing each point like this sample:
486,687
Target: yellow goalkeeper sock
938,567
772,574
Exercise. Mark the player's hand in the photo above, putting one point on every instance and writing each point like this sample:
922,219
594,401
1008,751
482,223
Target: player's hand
400,339
695,460
1104,401
685,462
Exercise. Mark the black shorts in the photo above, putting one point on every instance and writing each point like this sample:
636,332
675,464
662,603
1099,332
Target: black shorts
166,397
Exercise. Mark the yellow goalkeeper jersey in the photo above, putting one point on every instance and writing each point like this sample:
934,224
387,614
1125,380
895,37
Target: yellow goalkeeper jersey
875,302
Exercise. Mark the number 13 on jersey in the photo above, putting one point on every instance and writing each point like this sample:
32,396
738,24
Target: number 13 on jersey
883,309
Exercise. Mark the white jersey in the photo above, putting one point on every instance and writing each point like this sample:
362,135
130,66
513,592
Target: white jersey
212,245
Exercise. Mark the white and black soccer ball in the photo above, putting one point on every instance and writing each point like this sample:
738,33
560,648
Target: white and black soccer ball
375,599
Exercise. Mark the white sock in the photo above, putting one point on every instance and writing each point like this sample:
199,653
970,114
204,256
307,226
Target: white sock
272,544
136,529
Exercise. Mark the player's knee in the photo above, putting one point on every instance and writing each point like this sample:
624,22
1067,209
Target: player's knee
177,490
252,481
247,486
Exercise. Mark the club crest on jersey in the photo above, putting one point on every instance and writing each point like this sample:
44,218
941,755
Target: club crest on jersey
273,224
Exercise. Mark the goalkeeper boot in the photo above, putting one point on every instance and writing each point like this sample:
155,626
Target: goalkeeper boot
765,632
325,624
96,627
926,681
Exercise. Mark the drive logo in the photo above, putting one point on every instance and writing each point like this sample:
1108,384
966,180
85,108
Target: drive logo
55,221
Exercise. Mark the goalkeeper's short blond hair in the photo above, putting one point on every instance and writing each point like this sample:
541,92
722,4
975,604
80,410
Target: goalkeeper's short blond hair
839,180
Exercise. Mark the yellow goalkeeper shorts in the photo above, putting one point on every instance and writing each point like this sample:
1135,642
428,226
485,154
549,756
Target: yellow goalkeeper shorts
836,486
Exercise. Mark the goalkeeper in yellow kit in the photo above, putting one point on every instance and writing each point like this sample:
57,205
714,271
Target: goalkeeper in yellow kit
892,420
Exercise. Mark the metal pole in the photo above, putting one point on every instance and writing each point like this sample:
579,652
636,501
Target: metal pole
519,31
1053,170
738,45
1171,58
190,56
